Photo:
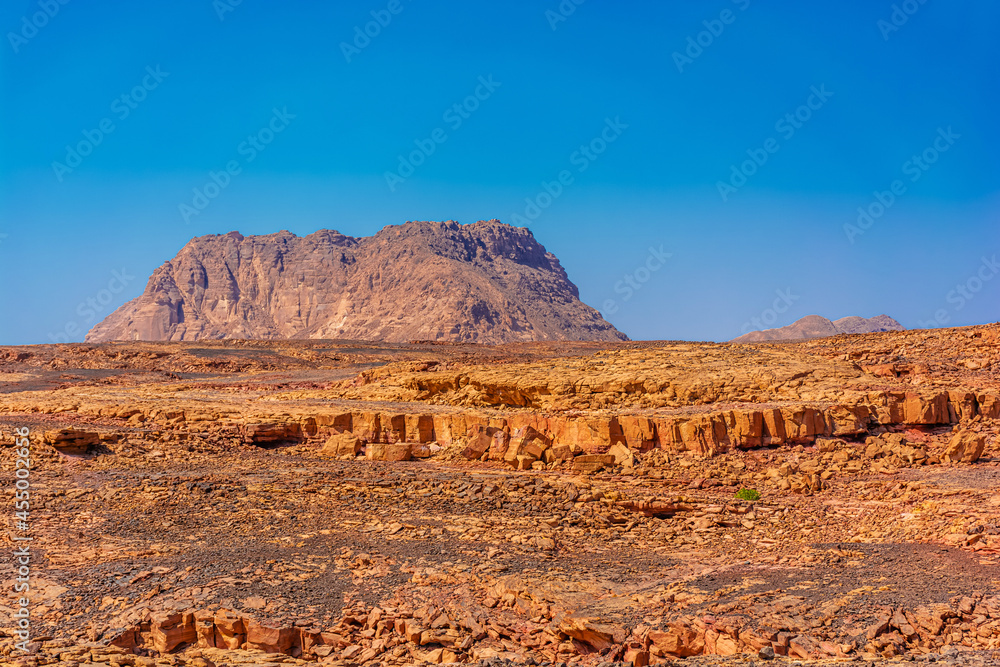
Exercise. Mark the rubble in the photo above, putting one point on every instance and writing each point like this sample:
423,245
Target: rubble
467,511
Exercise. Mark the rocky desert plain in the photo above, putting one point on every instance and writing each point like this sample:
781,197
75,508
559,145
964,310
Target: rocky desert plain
346,503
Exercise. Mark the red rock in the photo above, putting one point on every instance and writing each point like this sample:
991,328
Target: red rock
72,441
478,445
272,433
171,630
593,632
269,639
803,646
377,451
230,631
204,622
680,640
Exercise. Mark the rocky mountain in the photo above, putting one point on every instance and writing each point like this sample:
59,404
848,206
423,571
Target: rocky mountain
486,282
814,326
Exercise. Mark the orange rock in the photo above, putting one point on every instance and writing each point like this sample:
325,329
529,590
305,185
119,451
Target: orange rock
377,451
168,631
419,428
639,432
272,433
72,441
595,633
479,444
637,657
680,640
269,639
393,428
230,631
204,622
590,463
965,446
342,444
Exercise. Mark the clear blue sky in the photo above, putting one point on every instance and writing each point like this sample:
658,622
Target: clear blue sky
887,93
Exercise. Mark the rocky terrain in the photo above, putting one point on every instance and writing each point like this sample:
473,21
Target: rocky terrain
550,503
814,326
438,281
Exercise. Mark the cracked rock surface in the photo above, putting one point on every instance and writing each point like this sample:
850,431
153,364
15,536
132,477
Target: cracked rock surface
348,503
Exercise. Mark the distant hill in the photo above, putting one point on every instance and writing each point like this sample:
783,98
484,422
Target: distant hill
814,326
485,282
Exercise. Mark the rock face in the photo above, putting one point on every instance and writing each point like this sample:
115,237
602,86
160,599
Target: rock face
486,282
814,326
573,503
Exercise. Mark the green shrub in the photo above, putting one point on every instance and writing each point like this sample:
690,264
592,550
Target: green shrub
748,494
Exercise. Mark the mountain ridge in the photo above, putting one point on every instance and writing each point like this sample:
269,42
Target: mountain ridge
816,326
485,282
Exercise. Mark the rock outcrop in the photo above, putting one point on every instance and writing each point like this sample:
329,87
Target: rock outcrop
486,282
293,502
814,326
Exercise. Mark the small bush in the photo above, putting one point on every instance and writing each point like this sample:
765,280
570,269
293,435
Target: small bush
748,494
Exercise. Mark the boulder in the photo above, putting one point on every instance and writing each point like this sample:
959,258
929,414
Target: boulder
268,638
478,445
230,631
380,451
557,453
72,441
593,631
422,450
591,463
965,446
623,455
170,630
342,444
272,433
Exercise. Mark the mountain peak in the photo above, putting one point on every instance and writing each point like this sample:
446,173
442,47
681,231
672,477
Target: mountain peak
485,282
816,326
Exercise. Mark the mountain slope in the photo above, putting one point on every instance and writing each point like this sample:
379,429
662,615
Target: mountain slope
814,326
485,282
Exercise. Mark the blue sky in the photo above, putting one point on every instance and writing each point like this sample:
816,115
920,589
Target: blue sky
650,112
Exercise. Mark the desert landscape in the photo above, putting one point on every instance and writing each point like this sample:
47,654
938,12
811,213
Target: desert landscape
381,333
594,503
